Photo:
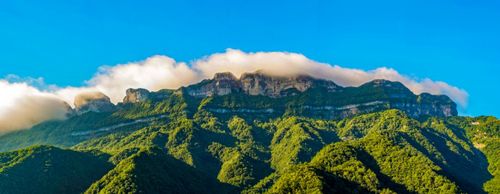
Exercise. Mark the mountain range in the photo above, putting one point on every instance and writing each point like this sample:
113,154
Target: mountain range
258,133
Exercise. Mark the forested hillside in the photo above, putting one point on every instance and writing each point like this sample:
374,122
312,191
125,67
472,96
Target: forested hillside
378,152
181,144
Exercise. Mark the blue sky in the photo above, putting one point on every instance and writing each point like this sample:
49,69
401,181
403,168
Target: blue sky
64,42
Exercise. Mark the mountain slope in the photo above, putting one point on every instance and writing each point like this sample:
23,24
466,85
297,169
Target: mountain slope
254,95
391,152
260,134
45,169
384,151
153,171
484,132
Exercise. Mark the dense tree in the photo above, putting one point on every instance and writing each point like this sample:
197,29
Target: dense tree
186,145
46,169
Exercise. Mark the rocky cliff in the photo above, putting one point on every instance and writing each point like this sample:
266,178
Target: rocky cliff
258,84
308,95
142,95
93,101
402,98
275,86
136,95
221,84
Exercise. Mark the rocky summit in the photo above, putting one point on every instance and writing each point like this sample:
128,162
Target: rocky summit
258,83
136,95
93,101
265,95
320,97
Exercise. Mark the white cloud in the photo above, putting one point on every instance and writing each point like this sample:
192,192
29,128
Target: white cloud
283,63
22,106
155,73
158,72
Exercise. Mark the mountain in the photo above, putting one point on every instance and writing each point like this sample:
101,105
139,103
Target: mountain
93,102
259,134
153,171
308,96
258,83
46,169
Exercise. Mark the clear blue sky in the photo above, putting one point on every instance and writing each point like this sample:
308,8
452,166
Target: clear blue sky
456,41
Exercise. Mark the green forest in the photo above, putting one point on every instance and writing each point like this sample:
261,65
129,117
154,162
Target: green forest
193,149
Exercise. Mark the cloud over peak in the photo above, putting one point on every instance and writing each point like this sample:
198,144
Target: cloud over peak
284,63
154,73
159,72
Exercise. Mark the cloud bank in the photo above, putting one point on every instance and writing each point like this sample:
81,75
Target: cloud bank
283,63
154,73
23,104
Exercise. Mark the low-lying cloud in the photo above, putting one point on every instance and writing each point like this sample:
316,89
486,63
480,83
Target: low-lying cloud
24,104
284,63
154,73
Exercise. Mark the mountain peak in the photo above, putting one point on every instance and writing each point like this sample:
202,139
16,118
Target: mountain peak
224,76
392,88
136,95
93,101
383,83
258,83
324,97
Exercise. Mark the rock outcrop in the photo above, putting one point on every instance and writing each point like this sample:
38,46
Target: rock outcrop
400,97
136,95
301,94
221,84
93,101
437,105
277,86
328,100
142,95
258,83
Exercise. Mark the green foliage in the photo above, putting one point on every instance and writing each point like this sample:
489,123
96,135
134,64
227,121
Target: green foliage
343,160
237,171
309,179
45,169
193,147
389,153
83,127
179,140
485,135
302,179
153,171
407,166
492,151
297,140
117,142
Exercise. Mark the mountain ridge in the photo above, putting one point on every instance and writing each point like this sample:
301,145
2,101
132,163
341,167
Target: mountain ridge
293,135
384,94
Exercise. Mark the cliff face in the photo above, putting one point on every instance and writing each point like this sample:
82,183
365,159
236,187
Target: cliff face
439,105
143,95
93,101
221,84
258,84
261,84
136,95
322,98
402,98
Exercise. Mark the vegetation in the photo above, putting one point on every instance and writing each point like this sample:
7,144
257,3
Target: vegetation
187,146
45,169
485,135
153,171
